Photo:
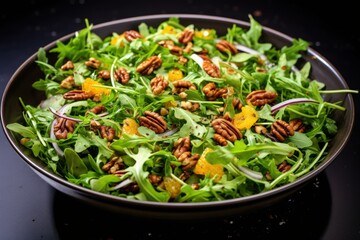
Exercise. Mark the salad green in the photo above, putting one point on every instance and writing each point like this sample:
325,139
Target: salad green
175,113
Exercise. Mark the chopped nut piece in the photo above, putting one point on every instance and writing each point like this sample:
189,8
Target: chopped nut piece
188,47
68,82
67,66
192,107
182,60
260,129
93,63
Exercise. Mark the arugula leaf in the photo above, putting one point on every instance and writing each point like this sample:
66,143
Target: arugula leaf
140,176
191,127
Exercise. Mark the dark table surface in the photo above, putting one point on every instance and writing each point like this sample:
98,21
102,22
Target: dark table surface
327,208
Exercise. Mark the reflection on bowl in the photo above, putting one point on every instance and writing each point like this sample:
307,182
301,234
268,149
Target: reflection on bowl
20,85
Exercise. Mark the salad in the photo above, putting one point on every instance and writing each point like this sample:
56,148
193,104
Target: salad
175,113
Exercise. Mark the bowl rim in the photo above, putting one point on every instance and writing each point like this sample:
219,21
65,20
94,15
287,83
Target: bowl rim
176,205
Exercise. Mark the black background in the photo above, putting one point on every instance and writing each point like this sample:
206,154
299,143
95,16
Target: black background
327,208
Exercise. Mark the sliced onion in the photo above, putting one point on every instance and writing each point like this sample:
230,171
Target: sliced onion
251,173
290,102
197,59
246,49
123,184
169,133
52,134
251,51
62,115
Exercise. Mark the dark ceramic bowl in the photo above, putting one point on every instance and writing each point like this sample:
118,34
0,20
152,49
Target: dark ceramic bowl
322,70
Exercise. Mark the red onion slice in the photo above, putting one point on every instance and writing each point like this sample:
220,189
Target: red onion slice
290,102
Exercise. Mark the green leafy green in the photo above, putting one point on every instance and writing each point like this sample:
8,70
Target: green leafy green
138,125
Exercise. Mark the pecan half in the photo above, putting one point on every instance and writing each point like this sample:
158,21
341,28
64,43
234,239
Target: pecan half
122,75
236,103
155,180
182,151
115,164
225,46
186,36
284,167
63,127
68,82
182,85
181,146
97,109
260,97
93,63
211,69
220,139
281,130
131,35
149,65
104,74
225,129
107,132
67,66
189,162
176,50
158,85
297,125
78,95
153,121
212,92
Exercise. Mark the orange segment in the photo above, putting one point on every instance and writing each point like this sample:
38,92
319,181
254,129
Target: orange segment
168,30
206,34
246,118
92,86
203,167
130,127
175,74
172,186
118,40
